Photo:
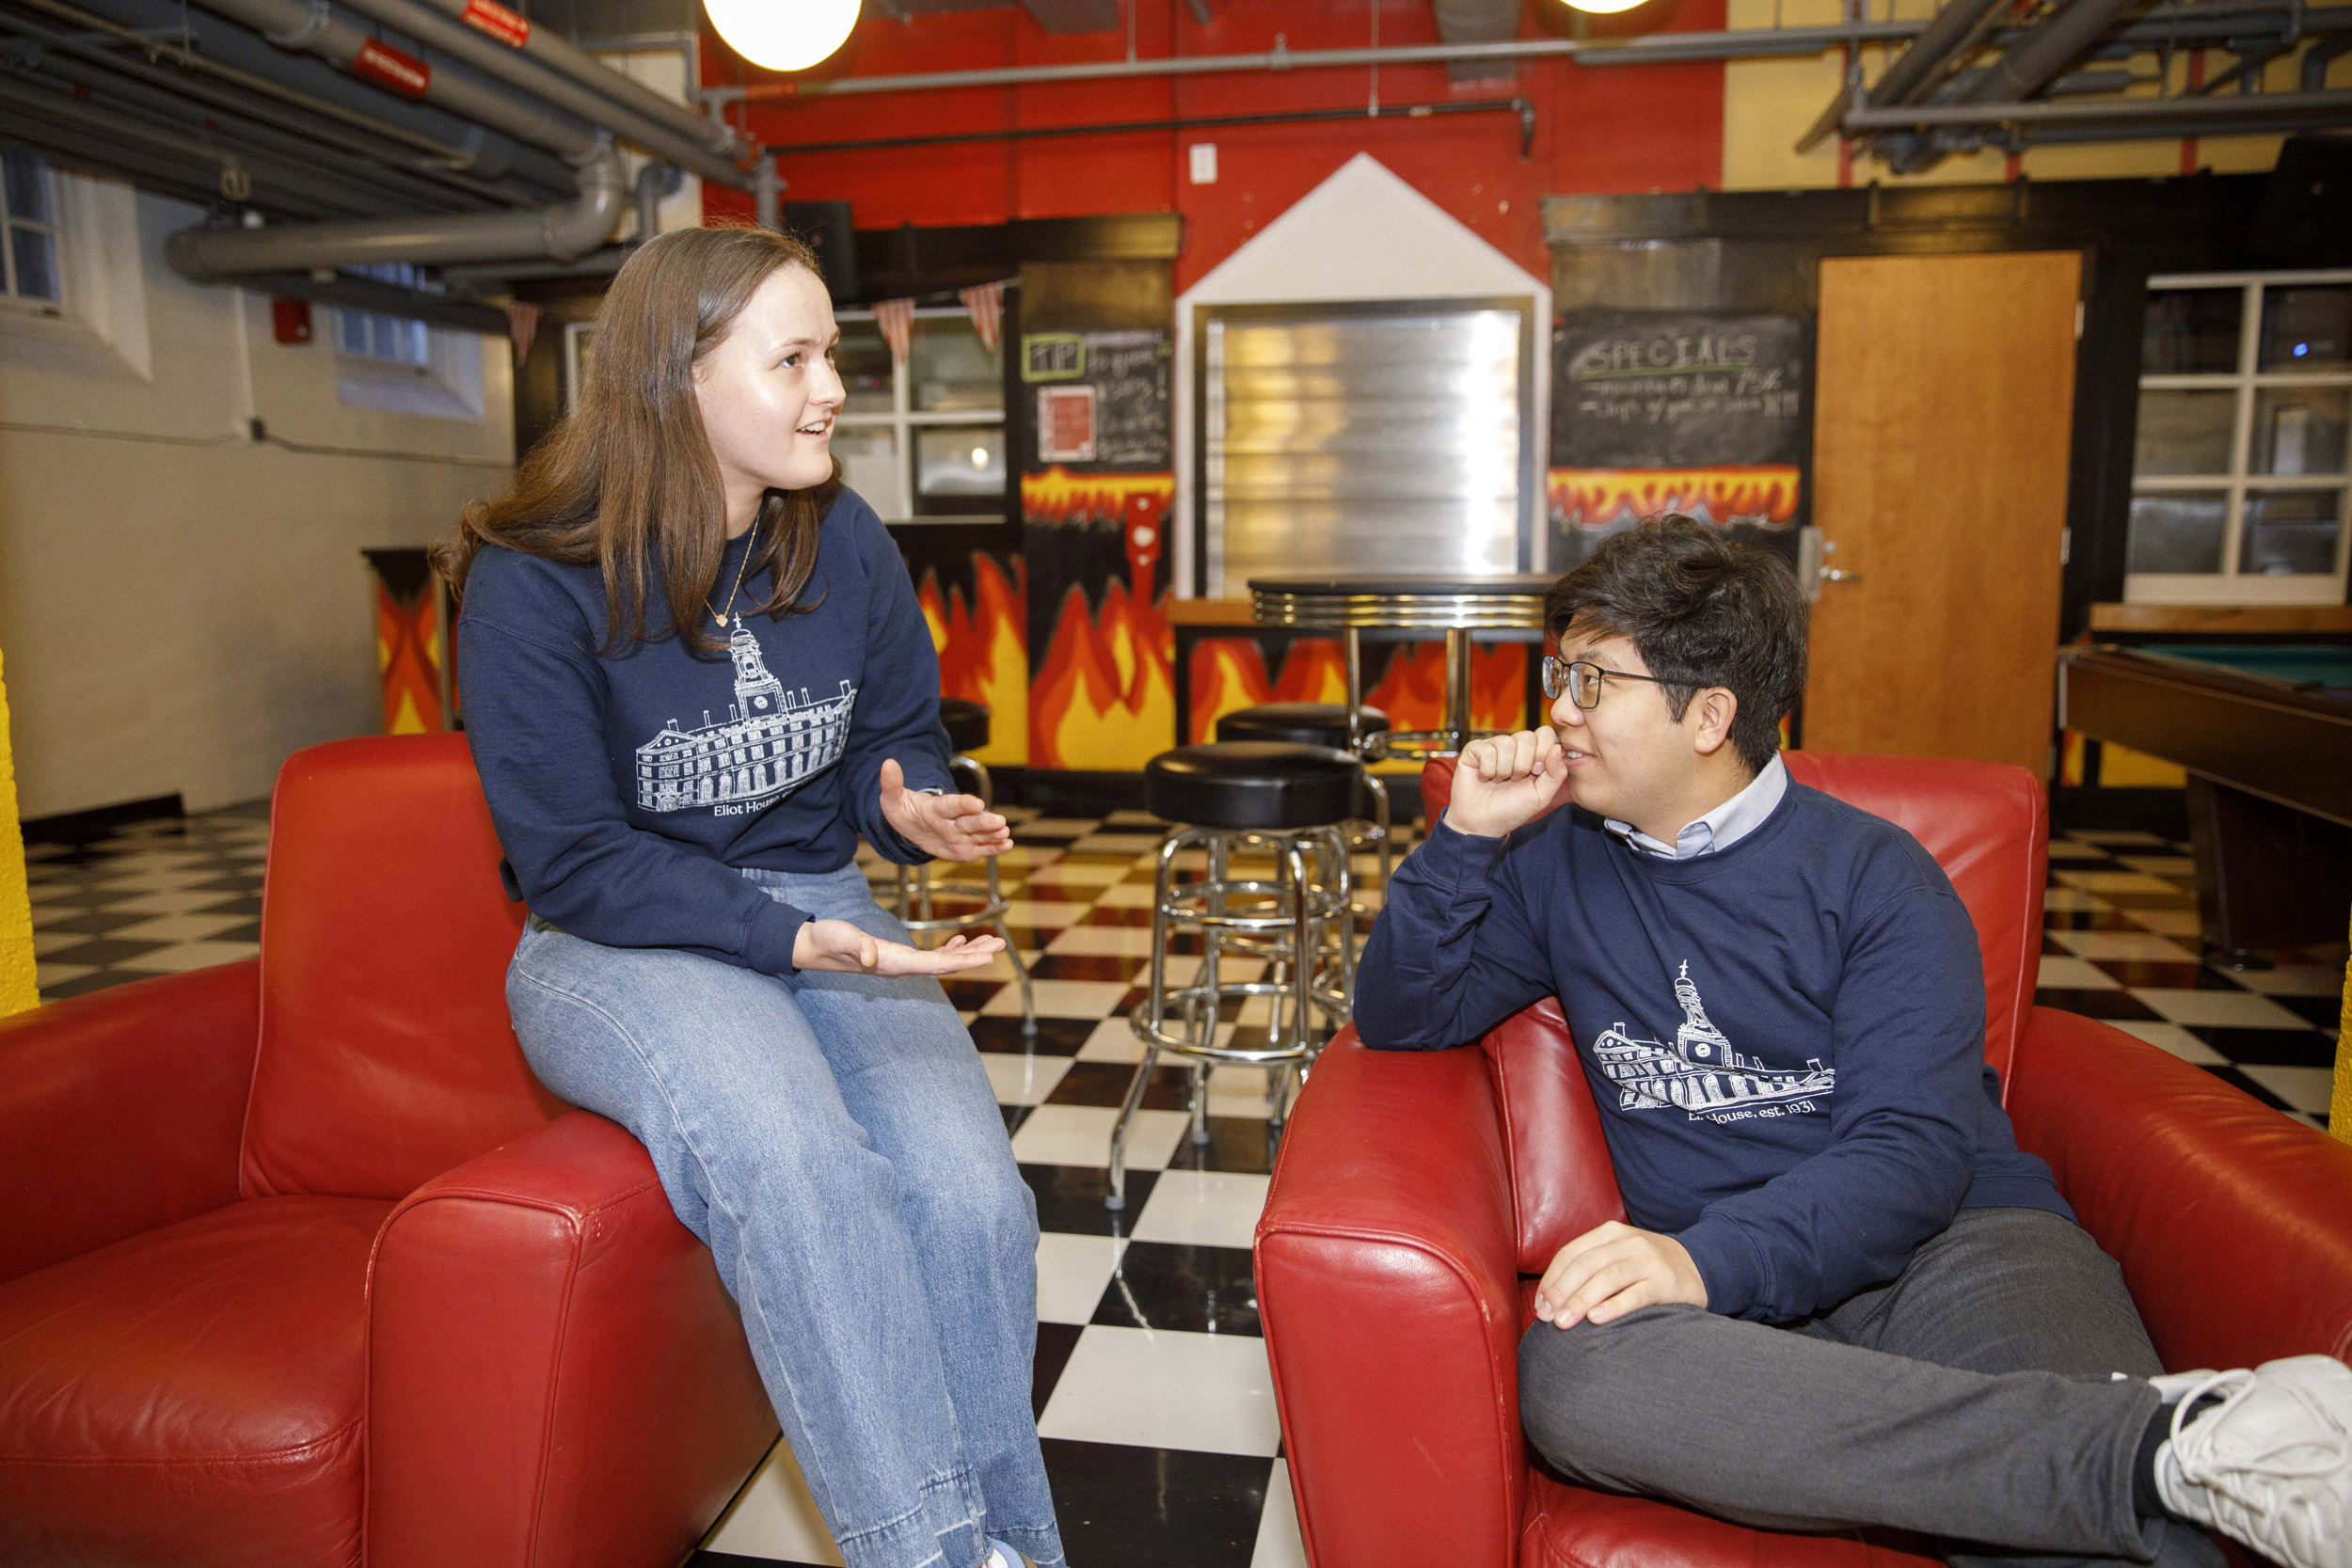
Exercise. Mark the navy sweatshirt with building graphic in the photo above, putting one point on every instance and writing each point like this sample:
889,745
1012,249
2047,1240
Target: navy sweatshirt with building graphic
628,788
1785,1037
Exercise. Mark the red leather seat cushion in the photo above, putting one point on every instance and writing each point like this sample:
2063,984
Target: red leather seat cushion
194,1395
1570,1527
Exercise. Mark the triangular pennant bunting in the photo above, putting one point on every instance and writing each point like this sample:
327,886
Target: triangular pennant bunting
895,317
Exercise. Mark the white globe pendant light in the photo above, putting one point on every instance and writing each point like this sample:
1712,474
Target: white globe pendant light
783,35
1603,7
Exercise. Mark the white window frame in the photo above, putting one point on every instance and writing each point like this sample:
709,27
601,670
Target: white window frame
448,385
55,228
904,419
2229,586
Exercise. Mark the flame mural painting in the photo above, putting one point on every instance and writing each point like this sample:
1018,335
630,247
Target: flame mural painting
1102,690
1758,495
409,618
1230,673
983,643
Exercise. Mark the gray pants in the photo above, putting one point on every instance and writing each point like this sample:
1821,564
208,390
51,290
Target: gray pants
1971,1399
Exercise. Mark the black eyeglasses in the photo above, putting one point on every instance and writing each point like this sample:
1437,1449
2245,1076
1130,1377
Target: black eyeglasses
1582,680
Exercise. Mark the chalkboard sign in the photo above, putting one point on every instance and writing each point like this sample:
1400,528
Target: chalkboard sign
1698,413
1672,389
1103,398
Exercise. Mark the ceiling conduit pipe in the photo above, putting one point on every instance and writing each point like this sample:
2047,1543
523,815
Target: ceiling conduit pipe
558,54
222,255
436,32
311,28
2315,60
253,119
1949,32
2021,70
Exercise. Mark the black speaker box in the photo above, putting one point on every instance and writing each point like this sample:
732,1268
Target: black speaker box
2306,216
826,226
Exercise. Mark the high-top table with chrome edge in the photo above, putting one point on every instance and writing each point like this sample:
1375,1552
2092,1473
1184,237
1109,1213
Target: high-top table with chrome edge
1500,607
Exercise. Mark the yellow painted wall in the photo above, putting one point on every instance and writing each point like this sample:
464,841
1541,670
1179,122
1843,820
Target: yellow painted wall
18,986
1769,103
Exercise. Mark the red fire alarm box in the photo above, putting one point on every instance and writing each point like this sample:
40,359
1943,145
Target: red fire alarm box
289,320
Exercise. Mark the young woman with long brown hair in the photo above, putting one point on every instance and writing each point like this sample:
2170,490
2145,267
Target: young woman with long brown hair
702,962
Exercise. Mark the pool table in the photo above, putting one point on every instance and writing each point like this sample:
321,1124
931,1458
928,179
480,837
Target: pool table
2265,733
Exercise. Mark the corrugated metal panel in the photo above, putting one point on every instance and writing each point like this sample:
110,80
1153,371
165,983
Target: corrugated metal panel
1362,442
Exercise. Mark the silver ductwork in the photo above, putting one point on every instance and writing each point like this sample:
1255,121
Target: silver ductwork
562,234
311,28
561,57
434,31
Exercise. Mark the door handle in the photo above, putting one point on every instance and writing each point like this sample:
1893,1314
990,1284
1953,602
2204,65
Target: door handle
1835,574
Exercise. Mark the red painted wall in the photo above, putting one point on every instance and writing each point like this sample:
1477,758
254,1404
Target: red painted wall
1598,130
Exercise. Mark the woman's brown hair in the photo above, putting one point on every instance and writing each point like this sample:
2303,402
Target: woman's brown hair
627,477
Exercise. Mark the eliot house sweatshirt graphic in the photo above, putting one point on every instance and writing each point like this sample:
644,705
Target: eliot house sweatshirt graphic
632,787
1702,1073
1785,1039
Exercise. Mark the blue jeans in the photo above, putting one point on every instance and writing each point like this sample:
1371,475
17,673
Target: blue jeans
834,1140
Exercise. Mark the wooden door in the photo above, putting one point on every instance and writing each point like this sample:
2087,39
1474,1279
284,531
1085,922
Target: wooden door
1942,418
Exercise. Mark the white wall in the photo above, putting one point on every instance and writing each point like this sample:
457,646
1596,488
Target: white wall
179,606
1362,234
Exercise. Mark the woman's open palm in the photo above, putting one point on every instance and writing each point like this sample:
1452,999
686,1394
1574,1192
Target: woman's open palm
840,947
946,827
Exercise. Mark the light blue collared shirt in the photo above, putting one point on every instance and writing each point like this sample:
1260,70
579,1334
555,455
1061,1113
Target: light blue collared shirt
1722,828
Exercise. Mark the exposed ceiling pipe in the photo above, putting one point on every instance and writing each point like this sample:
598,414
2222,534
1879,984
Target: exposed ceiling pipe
429,27
2315,60
2045,50
1650,48
196,63
511,30
108,120
165,165
217,255
532,173
312,27
1948,33
2251,109
191,96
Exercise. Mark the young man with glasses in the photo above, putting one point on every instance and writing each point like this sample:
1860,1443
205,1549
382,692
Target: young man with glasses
1846,1297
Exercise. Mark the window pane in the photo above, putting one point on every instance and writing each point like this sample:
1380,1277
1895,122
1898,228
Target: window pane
2307,329
2290,532
383,336
960,468
950,370
416,342
869,465
36,263
27,181
2185,432
2177,532
351,332
2299,429
2191,331
863,361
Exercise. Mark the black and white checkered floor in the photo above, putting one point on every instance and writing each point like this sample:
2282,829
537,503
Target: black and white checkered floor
1151,1387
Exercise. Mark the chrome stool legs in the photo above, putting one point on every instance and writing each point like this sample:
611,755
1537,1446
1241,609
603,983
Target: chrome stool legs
914,898
1307,934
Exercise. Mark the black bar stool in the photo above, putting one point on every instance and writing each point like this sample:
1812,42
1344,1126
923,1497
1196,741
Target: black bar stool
1289,799
1323,724
967,732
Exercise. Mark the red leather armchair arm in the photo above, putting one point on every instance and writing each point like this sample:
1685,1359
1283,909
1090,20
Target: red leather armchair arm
2234,1224
120,1111
1386,1280
555,1375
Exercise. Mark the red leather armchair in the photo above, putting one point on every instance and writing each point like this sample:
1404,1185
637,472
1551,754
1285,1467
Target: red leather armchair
302,1267
1417,1193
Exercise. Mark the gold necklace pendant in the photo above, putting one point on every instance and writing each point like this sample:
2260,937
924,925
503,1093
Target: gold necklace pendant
720,615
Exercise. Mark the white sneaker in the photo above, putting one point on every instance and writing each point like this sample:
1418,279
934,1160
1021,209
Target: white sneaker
2271,1465
1002,1555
